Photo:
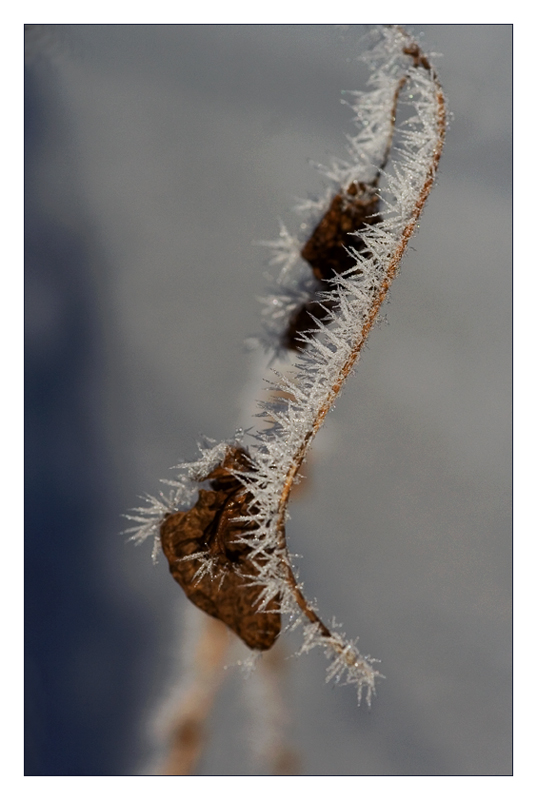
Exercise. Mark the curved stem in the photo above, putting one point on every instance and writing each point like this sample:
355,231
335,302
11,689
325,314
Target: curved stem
419,61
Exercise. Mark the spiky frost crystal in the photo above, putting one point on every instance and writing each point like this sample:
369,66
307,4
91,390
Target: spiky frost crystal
331,349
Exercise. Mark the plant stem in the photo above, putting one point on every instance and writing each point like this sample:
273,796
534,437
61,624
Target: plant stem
391,271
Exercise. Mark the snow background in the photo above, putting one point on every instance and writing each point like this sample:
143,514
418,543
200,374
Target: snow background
156,157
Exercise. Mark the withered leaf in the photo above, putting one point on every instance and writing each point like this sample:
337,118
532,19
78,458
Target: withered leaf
325,251
349,212
303,320
210,529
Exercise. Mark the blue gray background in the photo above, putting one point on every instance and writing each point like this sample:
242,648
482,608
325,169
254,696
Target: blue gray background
156,156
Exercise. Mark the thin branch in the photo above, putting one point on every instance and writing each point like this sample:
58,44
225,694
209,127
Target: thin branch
420,60
241,519
188,730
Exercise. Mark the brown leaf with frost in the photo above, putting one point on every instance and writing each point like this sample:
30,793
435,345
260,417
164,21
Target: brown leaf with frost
349,212
210,529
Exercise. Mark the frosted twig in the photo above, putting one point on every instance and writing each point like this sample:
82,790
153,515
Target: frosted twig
322,371
241,518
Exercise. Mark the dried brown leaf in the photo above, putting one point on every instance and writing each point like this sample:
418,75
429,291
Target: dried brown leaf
210,529
349,212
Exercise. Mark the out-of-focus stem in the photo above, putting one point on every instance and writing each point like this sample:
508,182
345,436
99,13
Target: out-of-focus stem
188,733
270,713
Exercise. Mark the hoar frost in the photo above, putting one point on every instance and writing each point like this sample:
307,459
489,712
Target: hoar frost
346,306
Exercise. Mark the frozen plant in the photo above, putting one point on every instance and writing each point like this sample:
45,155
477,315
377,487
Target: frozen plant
222,523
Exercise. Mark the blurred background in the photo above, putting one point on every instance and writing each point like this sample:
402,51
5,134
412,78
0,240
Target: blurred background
156,157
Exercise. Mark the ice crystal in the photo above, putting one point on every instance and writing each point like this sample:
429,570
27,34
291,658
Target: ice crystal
401,77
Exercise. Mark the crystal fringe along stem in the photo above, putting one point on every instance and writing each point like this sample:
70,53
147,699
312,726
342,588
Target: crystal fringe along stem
329,349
